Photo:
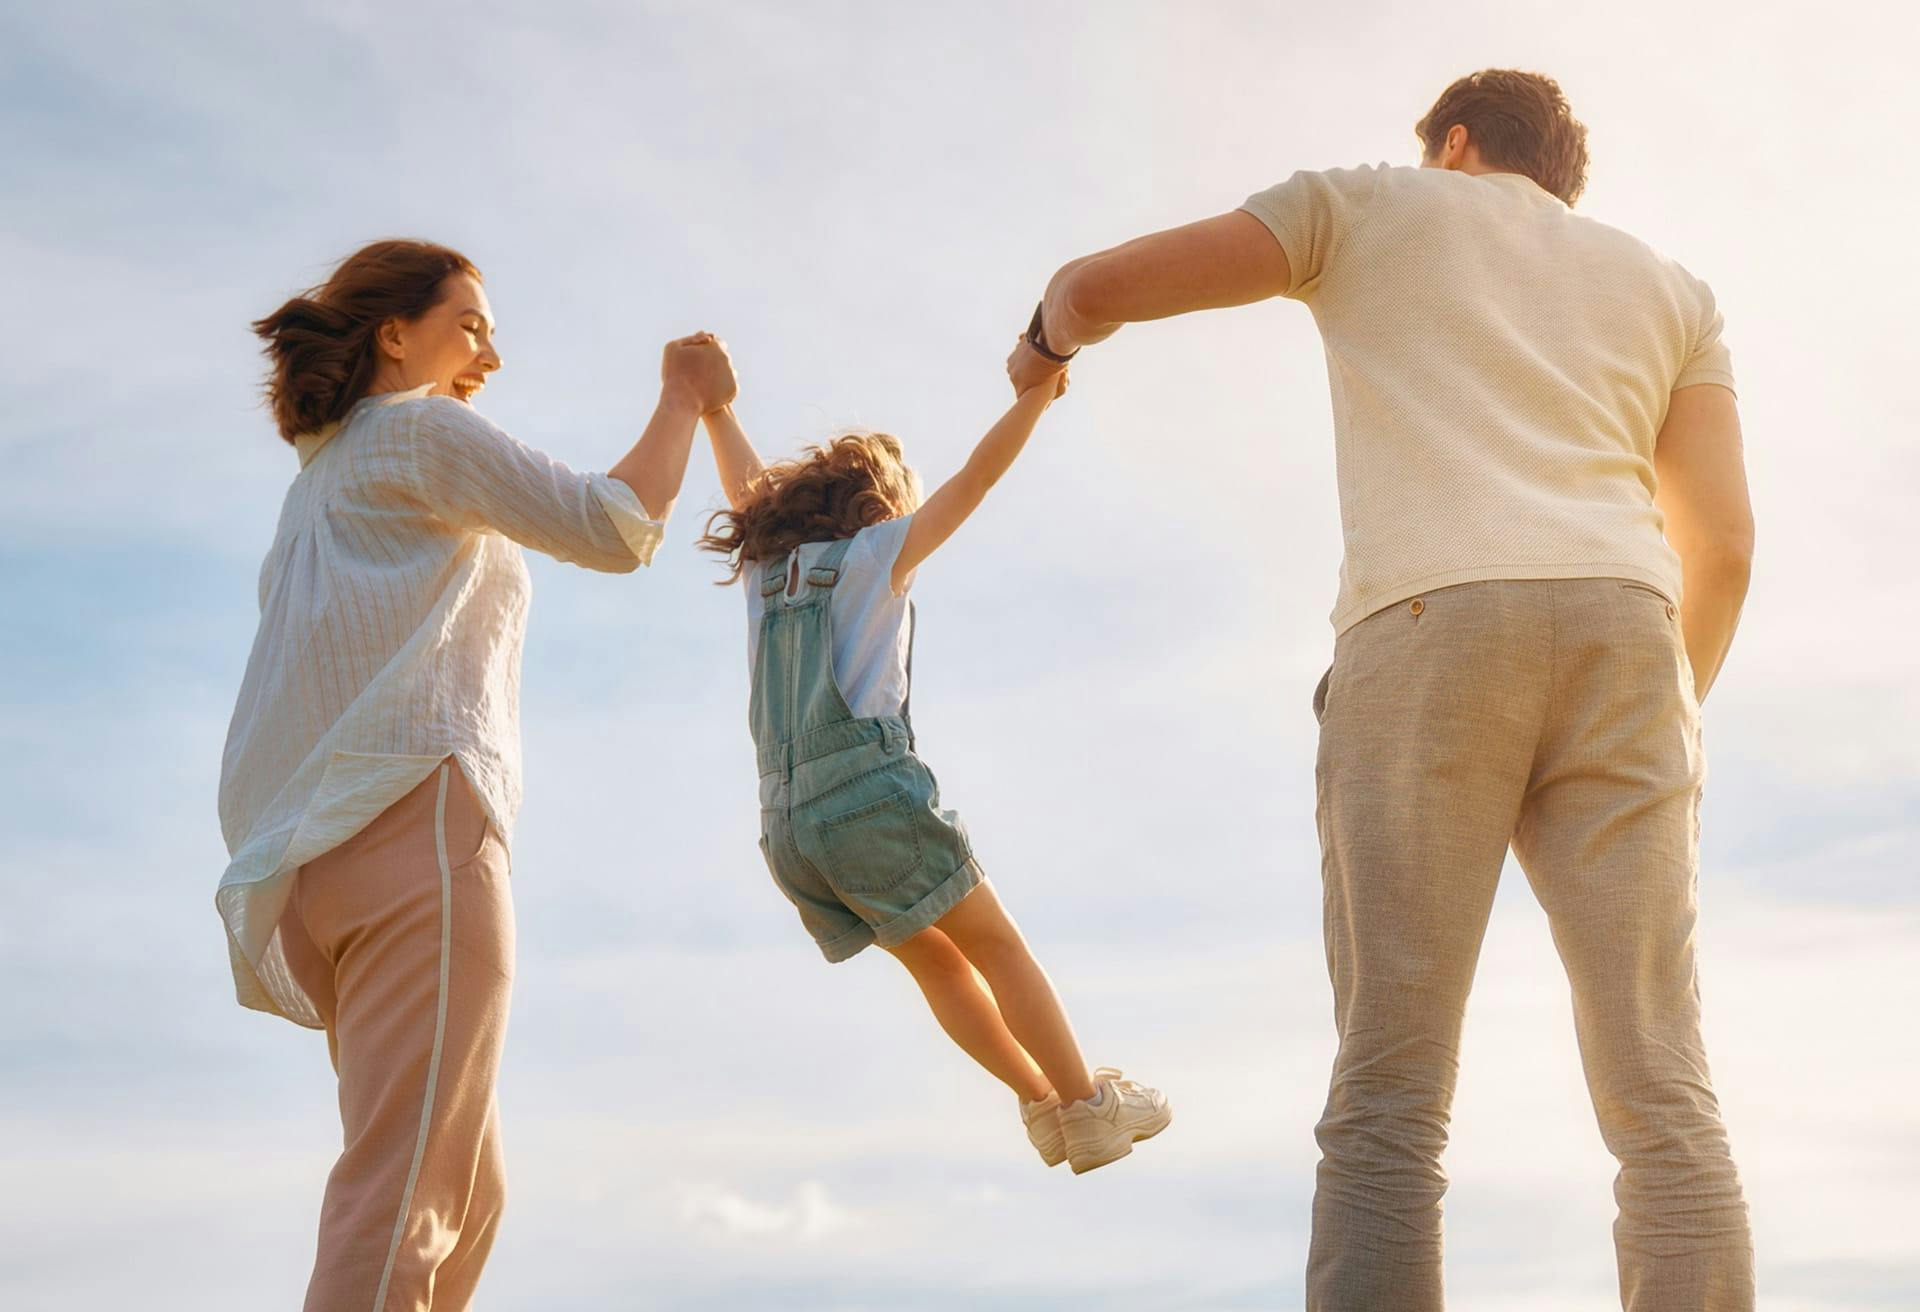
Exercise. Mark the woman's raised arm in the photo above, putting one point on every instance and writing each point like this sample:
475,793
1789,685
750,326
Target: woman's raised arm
473,474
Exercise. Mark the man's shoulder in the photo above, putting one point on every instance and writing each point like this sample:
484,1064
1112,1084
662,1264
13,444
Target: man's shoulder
1351,180
1629,248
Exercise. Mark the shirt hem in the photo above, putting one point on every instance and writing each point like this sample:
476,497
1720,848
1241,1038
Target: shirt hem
353,790
639,529
1273,224
1697,377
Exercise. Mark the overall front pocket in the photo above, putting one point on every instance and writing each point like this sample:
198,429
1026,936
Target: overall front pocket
873,848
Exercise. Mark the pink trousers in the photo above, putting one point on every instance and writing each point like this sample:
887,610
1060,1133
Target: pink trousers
403,937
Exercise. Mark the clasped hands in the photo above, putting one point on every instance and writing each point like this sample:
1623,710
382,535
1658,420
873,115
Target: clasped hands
697,370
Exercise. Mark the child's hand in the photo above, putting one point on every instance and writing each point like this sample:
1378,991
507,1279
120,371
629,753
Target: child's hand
1028,369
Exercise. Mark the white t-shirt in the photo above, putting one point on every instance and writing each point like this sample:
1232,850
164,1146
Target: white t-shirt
870,620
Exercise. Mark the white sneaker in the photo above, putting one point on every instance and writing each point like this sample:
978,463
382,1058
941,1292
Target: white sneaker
1043,1128
1105,1132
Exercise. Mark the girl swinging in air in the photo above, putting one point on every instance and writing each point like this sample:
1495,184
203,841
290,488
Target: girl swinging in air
850,818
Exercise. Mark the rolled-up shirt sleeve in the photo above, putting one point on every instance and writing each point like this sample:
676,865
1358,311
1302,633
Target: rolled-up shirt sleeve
471,473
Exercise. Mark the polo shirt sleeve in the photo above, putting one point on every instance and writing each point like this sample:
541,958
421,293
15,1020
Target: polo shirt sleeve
1311,215
1709,361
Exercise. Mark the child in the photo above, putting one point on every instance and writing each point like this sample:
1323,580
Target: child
850,818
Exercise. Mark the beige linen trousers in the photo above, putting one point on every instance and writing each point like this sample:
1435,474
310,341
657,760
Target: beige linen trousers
1558,717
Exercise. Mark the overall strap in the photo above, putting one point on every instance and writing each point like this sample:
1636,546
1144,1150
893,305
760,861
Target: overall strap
906,702
826,572
774,581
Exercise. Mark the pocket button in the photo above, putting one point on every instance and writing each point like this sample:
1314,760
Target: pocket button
1671,612
1417,606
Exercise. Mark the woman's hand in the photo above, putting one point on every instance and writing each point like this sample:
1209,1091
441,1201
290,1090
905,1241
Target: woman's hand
699,369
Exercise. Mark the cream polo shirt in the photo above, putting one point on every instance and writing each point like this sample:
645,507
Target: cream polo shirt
393,605
1500,367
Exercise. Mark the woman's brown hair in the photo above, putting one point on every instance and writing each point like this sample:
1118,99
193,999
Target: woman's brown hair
831,491
1520,121
321,343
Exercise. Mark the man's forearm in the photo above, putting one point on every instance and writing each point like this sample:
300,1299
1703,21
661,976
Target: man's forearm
1231,259
1715,591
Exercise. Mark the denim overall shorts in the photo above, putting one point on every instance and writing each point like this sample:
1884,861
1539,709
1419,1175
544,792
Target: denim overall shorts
850,818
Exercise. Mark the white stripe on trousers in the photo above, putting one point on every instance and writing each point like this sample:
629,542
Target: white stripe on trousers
439,1036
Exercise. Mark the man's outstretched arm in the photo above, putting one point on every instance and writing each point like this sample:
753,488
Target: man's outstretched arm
1231,259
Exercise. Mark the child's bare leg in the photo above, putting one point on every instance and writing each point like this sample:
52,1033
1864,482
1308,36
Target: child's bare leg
986,935
966,1011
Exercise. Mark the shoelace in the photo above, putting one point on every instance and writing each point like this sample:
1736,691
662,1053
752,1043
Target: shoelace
1121,1087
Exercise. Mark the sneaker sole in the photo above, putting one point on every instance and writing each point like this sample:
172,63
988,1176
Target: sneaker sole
1112,1150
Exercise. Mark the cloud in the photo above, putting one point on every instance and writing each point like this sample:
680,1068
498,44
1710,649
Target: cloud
810,1216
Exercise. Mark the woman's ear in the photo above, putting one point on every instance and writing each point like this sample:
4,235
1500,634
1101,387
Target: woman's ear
390,340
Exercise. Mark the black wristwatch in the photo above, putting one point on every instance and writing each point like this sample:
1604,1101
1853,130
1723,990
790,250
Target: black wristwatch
1037,339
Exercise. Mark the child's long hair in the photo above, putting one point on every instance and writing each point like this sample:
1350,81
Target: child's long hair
830,492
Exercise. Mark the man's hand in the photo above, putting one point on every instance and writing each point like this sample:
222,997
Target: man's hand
699,369
1028,369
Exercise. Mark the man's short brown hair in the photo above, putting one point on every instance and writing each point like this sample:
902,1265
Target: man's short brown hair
1519,121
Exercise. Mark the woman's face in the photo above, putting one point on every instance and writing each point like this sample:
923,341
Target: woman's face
450,346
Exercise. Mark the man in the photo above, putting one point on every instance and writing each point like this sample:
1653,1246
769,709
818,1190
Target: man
1547,547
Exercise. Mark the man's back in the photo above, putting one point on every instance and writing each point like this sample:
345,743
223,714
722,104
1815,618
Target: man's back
1500,370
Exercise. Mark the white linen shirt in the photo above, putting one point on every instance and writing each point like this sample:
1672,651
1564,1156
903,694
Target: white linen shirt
393,606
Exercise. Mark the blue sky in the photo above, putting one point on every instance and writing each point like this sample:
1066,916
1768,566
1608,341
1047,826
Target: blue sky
1114,665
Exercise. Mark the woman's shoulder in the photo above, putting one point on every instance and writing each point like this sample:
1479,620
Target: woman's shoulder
440,414
433,434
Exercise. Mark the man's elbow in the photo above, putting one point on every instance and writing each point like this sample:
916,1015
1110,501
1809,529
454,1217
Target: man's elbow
1085,292
1726,556
1736,544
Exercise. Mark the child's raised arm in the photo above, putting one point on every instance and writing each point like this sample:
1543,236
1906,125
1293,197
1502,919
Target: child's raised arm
947,509
733,455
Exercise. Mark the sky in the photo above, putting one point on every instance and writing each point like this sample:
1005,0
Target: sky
1113,672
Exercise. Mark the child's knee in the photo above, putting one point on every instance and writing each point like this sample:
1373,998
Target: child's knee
994,949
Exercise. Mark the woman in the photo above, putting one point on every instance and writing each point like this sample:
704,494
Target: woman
372,769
